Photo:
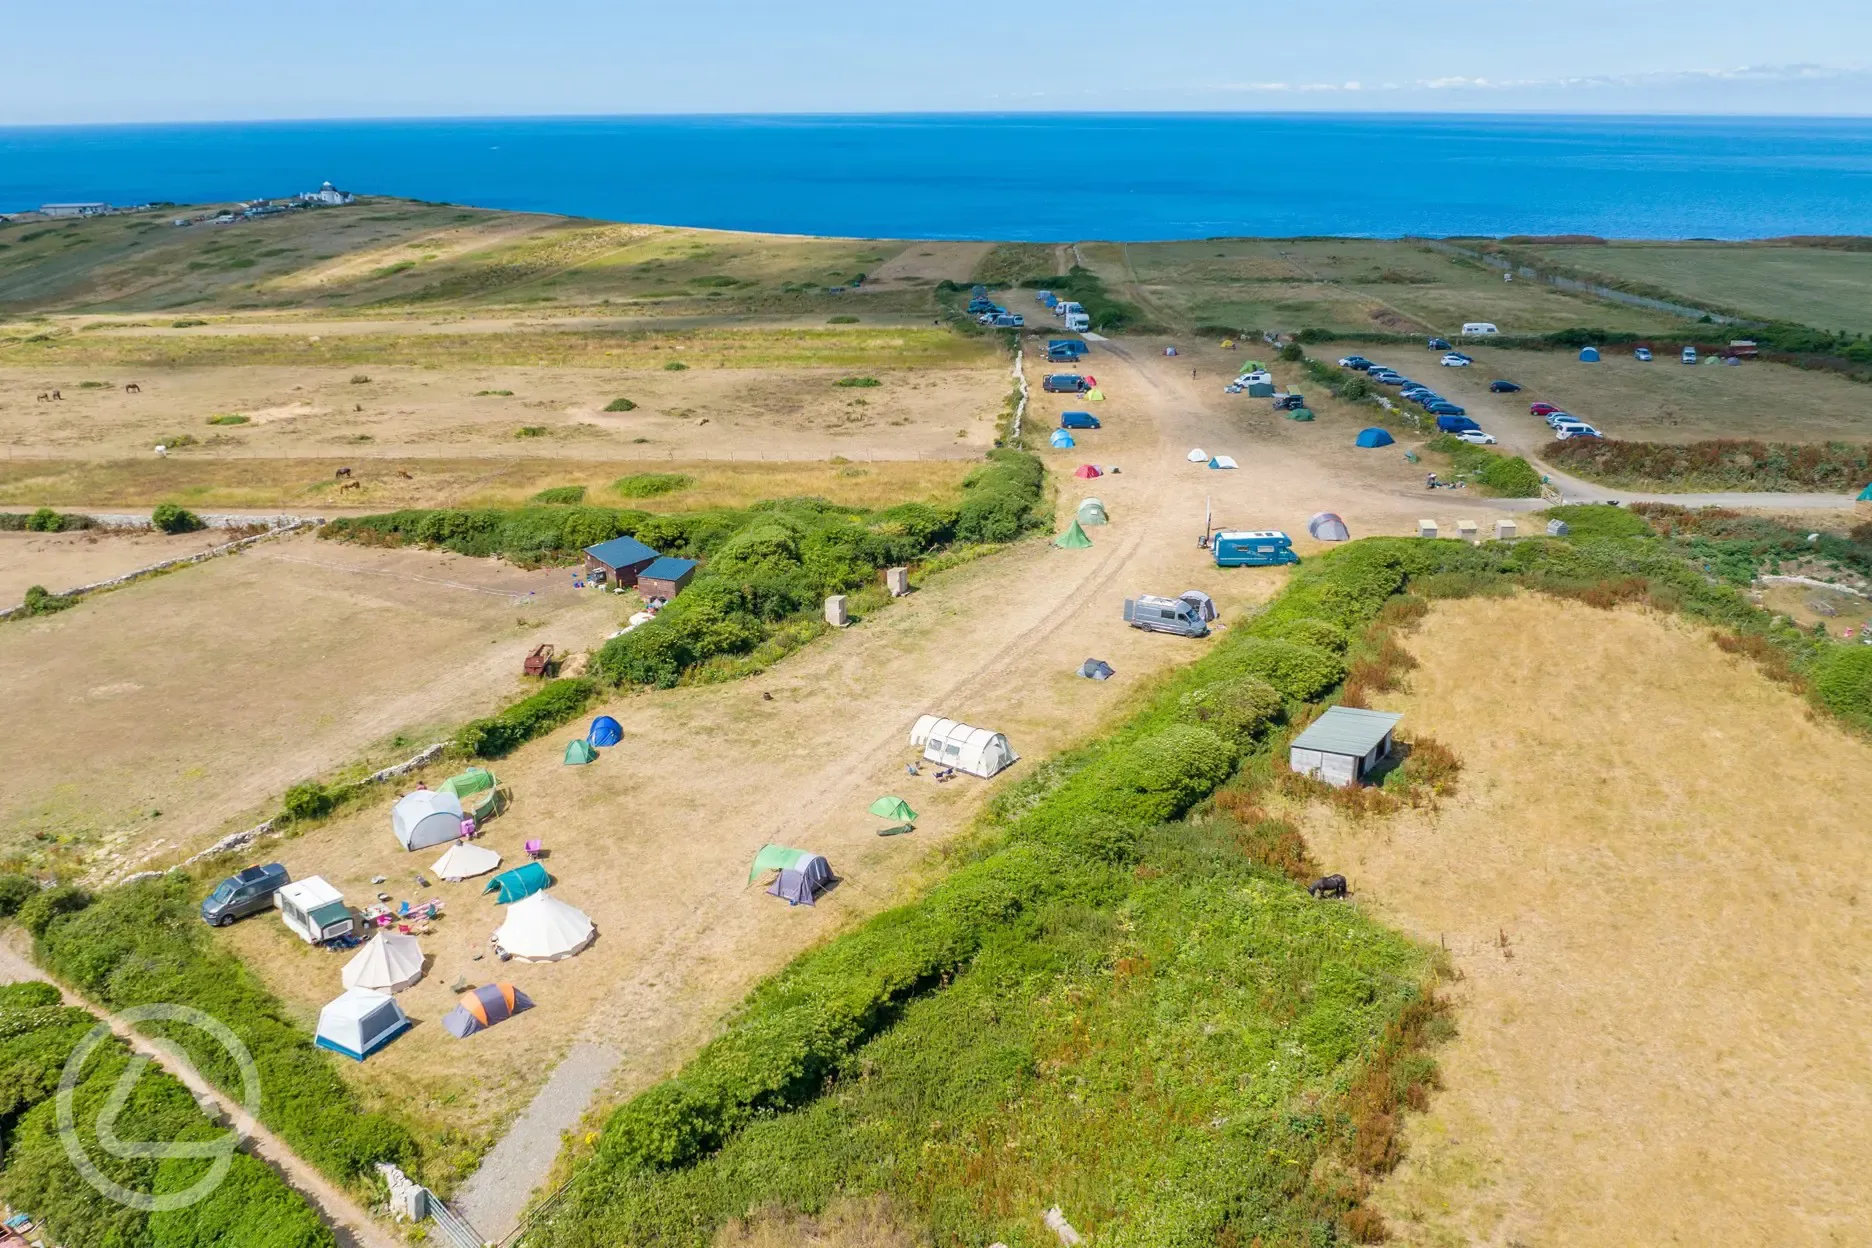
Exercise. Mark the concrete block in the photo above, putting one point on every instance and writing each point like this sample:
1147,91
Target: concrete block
1466,530
835,611
897,581
1426,528
1504,530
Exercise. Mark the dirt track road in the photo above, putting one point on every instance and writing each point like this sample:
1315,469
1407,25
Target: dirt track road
993,644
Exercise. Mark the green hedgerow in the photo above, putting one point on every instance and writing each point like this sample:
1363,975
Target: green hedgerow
651,484
1296,670
37,912
1843,680
174,518
1235,709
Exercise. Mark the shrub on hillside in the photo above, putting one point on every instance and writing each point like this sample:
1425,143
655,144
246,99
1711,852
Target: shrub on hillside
1597,520
1296,670
306,802
620,405
499,735
651,484
562,494
998,498
1237,710
174,518
45,520
1843,680
1718,463
38,911
41,601
15,891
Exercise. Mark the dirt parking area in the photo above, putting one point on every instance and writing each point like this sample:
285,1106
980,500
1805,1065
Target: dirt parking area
1651,886
64,561
204,694
515,412
1663,401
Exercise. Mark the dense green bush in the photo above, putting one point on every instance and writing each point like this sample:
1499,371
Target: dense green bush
1718,464
1593,520
651,484
15,891
45,520
38,911
174,518
1843,681
143,943
998,499
308,801
41,601
1236,710
561,494
620,405
1295,669
498,735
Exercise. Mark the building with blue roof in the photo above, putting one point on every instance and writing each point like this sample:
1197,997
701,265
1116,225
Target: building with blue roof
620,560
665,578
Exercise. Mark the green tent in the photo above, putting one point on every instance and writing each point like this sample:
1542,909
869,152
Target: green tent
1301,414
579,753
1092,511
777,858
1073,539
1865,495
893,808
475,787
520,882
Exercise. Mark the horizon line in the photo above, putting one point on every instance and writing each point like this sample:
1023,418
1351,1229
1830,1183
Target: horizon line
976,114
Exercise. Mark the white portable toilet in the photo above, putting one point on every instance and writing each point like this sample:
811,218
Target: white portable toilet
1504,530
1426,528
1466,530
977,751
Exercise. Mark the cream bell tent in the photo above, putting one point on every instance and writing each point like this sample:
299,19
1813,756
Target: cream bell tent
463,860
1197,455
391,962
541,928
427,817
977,751
360,1022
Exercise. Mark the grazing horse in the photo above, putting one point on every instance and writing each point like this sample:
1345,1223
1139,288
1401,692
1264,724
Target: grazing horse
44,396
1328,886
342,473
351,485
131,387
404,473
57,397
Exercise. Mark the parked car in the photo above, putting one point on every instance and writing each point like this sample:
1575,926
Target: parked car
1165,615
1389,379
1358,362
1499,386
1455,359
1476,436
1564,432
1078,420
1556,419
1642,354
1454,423
1438,344
1445,409
1689,355
248,891
1064,383
1541,409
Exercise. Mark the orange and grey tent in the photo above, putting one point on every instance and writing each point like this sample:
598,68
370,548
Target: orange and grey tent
482,1007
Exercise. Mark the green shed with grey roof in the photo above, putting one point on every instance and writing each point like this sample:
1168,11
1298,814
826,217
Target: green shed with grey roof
1342,746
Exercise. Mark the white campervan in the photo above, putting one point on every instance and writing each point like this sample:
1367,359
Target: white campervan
1478,327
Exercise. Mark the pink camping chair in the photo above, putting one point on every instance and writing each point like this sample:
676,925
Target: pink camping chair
467,828
535,848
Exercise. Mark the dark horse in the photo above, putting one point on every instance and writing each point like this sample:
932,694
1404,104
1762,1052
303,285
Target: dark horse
1328,886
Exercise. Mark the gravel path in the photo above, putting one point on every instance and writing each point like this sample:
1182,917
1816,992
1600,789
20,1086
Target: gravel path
492,1199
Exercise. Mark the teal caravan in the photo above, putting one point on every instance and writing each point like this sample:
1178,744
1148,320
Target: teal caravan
1262,548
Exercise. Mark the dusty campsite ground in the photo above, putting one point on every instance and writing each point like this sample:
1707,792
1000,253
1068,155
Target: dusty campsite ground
63,561
1652,887
206,692
654,841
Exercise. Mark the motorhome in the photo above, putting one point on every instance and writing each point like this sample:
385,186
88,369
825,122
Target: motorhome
1258,548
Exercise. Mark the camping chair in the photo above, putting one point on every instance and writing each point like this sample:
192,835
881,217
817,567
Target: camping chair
535,850
913,769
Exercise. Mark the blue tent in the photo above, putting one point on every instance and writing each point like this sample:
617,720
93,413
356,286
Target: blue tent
1062,439
1374,437
1865,495
605,731
1589,354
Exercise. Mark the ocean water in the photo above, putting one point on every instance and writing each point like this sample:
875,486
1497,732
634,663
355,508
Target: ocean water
1019,177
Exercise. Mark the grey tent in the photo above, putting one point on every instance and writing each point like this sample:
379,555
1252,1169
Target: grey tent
1096,669
800,884
1328,528
1557,528
483,1007
1092,511
1204,604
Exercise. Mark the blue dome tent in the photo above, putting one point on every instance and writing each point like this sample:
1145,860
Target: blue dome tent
1374,436
605,731
1589,355
1062,439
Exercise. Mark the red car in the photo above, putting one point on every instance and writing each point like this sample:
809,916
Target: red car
1541,409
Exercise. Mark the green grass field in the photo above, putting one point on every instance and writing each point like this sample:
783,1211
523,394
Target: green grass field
1825,288
1346,285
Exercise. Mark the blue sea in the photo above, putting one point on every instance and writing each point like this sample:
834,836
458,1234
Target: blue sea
1032,177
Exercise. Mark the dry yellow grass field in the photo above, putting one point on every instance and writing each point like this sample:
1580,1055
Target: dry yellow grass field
1653,886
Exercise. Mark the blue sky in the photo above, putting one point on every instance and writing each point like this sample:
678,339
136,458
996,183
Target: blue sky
135,60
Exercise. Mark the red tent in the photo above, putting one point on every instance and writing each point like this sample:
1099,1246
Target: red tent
1088,470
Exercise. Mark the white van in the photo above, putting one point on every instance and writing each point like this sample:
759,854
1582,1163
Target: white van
1078,321
1689,355
1479,327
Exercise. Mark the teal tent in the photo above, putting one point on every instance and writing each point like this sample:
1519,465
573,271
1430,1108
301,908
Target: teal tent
520,882
580,752
1865,495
